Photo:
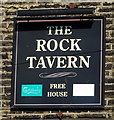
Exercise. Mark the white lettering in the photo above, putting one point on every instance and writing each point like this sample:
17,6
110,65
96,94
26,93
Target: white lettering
74,44
82,60
61,61
40,45
68,30
41,63
50,30
72,62
55,45
31,61
61,45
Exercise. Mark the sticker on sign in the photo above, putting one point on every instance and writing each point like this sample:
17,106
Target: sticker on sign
83,89
31,90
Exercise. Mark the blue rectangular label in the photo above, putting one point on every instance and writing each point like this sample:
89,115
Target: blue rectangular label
31,90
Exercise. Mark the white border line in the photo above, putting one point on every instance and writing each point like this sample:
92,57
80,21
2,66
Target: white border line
100,61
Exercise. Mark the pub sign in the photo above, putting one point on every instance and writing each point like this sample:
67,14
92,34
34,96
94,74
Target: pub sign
58,63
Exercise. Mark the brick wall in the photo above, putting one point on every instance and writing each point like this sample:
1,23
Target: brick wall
6,40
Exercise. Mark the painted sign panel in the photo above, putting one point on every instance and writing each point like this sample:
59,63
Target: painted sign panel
58,63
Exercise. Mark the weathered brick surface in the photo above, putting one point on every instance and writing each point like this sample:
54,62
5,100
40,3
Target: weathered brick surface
6,40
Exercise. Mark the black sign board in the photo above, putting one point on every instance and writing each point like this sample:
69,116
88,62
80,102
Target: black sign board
58,63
